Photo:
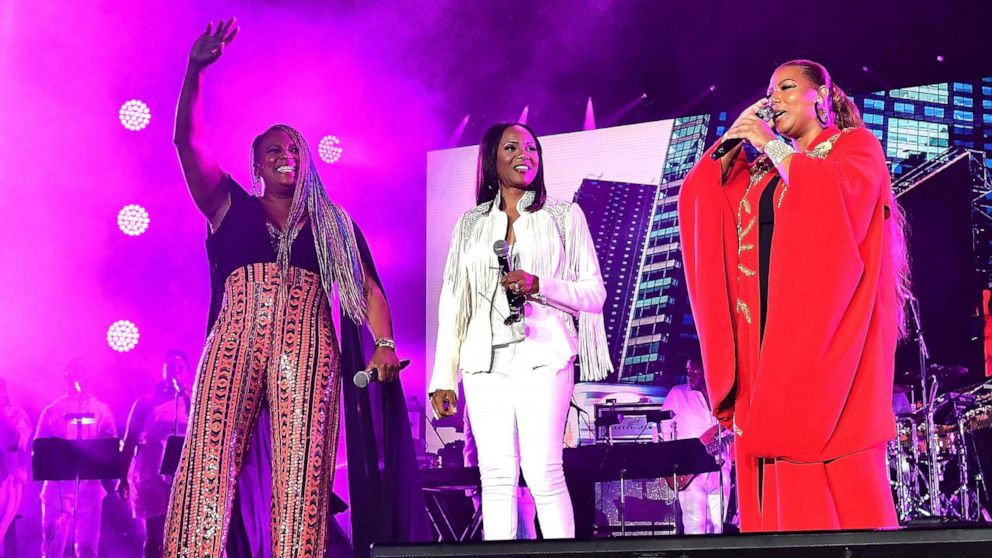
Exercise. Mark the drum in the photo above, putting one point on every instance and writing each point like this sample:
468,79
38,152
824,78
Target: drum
978,418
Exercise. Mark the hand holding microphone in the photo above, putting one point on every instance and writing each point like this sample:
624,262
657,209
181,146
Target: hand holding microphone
364,377
752,125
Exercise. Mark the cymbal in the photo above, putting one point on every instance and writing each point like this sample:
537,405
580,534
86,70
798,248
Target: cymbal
941,371
948,370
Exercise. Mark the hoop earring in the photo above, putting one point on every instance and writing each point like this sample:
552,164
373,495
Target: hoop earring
257,186
822,118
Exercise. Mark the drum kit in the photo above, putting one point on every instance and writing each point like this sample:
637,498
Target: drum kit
936,468
934,460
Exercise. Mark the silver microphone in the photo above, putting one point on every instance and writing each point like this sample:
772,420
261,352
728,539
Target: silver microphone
765,113
363,378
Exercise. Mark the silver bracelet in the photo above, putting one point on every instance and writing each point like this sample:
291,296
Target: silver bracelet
385,342
777,150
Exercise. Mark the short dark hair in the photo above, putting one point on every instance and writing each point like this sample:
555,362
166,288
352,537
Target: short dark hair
177,353
487,179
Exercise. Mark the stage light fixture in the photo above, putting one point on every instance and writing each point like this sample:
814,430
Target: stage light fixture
133,219
330,149
135,115
122,336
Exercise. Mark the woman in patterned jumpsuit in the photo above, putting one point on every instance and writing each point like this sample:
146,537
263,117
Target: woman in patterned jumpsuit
275,259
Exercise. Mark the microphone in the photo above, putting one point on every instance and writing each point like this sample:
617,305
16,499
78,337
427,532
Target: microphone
79,388
176,386
514,300
364,377
765,113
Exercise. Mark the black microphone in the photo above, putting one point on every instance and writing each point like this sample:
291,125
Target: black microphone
364,377
514,300
765,113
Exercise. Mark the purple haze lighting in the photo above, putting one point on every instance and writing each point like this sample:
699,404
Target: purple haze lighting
135,115
133,219
122,336
330,149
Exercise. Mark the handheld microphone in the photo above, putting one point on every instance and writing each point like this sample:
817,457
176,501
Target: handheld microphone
364,377
514,300
765,113
176,386
79,388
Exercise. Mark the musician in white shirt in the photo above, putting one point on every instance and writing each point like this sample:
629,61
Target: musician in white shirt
700,500
518,374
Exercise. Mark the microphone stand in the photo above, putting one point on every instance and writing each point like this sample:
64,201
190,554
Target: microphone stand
929,385
79,436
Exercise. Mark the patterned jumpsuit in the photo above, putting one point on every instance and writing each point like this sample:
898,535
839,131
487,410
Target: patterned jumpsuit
273,337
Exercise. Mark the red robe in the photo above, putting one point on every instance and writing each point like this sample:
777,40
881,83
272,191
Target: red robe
812,401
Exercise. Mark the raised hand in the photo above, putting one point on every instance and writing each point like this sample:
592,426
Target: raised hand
210,45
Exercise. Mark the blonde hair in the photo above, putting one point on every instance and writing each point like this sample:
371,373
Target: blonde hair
333,231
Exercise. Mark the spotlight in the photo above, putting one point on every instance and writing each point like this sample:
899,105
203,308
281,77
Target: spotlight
135,115
940,58
330,149
712,88
133,220
456,135
864,69
589,123
122,336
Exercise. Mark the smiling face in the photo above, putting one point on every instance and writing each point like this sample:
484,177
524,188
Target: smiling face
277,159
793,97
517,159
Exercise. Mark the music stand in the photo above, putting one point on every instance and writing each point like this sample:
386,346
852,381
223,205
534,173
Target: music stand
58,459
170,459
601,462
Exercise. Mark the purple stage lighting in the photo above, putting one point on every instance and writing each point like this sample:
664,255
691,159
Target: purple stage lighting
122,336
589,122
330,149
133,220
135,115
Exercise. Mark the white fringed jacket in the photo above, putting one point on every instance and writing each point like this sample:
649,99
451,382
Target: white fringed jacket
554,244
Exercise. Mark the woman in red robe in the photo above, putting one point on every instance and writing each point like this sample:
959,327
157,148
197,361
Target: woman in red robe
796,265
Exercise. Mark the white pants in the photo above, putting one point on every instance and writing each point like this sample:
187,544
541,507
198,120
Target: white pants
518,419
700,503
57,525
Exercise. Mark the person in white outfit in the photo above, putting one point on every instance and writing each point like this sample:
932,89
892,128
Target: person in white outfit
60,508
15,441
700,500
518,367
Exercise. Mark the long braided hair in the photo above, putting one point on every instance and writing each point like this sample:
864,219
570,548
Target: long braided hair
333,231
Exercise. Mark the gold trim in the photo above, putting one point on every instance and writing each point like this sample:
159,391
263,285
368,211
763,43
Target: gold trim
743,308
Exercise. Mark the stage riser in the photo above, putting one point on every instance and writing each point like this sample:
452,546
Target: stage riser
944,543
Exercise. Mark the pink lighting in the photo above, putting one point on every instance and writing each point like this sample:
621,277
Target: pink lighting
135,115
122,336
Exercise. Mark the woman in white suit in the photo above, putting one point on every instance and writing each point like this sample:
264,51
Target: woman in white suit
514,335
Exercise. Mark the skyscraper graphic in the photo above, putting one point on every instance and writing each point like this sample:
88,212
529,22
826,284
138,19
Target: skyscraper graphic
620,217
